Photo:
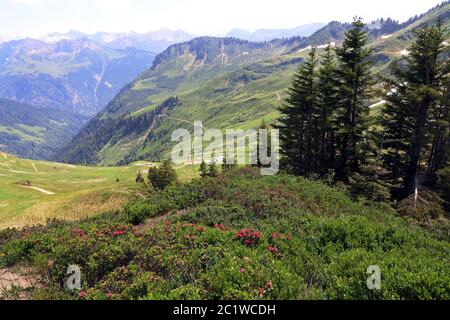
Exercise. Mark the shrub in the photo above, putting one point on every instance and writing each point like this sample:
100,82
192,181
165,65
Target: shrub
163,176
369,188
216,213
138,212
304,240
249,238
140,178
425,207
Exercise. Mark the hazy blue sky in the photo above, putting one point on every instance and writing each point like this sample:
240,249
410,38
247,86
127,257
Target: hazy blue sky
200,17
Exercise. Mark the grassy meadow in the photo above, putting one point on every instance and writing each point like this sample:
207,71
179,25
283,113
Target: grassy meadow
65,191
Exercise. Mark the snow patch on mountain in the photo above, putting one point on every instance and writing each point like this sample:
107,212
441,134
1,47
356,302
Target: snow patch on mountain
404,52
324,46
304,49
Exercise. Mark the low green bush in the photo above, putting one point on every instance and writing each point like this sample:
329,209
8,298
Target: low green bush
138,212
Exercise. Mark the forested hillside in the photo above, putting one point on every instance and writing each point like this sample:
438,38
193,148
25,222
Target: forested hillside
36,133
226,83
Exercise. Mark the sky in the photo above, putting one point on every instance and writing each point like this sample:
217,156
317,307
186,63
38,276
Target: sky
34,18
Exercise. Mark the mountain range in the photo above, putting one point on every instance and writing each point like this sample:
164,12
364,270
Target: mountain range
224,82
271,34
160,40
79,76
154,42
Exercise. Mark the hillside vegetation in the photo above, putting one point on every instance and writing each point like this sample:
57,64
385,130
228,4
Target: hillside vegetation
224,82
37,133
237,236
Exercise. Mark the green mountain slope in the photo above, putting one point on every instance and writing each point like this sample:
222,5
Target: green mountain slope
224,82
34,132
394,45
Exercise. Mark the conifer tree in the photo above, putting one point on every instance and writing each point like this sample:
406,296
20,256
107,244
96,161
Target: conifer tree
213,172
417,116
298,123
327,99
203,170
355,82
266,127
439,152
163,176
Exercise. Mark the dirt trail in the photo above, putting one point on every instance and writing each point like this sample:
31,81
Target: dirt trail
278,96
11,280
34,166
41,190
153,222
180,120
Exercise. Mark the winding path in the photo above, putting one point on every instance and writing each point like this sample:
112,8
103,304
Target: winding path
41,190
34,166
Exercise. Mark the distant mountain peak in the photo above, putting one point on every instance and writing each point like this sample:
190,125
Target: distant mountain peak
56,37
154,41
271,34
4,39
77,45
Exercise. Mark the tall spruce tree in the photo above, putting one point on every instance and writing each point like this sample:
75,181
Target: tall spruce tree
203,169
398,122
264,127
298,122
355,84
327,99
439,153
417,115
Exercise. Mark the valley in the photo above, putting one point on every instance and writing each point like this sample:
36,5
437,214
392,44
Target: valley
223,82
48,92
79,76
36,132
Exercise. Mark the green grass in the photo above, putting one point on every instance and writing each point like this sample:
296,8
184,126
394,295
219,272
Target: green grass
217,102
79,191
